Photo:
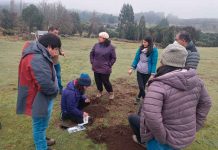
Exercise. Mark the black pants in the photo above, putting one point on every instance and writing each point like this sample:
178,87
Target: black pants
103,79
73,118
142,80
134,121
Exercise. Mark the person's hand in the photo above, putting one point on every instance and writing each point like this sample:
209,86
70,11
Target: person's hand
85,114
151,77
87,100
130,71
55,59
62,53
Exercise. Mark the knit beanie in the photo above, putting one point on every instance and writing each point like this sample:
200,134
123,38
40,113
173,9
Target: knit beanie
174,55
104,35
84,80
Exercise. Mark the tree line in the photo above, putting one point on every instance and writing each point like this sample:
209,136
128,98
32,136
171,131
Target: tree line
127,25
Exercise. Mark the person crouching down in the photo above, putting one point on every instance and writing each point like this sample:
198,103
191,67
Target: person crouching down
175,106
74,100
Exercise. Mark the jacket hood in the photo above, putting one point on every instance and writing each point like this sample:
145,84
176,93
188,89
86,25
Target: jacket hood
191,47
180,79
34,47
70,86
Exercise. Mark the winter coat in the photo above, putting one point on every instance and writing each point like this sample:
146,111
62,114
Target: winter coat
174,109
102,58
193,57
37,83
70,100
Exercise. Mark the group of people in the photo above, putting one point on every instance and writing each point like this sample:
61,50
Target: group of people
173,107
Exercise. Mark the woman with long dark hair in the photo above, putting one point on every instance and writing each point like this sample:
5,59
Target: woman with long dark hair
145,63
175,107
102,58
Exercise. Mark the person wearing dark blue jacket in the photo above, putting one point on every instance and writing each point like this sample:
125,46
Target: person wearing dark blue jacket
74,100
144,63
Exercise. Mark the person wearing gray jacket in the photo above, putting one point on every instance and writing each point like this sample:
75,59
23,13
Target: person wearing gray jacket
193,58
175,107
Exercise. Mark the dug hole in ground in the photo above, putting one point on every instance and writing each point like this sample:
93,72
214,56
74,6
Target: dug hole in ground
110,119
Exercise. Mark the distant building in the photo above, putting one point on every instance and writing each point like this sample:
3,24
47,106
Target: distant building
39,33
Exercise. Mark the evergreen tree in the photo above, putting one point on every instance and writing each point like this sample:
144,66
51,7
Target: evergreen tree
126,26
141,28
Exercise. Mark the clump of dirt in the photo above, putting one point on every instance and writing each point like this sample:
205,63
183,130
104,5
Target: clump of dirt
96,111
115,137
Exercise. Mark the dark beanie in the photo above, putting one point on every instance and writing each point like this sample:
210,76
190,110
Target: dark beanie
84,80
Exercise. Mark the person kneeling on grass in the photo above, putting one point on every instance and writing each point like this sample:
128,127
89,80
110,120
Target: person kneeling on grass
74,100
175,106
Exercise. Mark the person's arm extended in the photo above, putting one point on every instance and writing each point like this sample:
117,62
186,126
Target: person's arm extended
203,108
136,59
42,74
152,109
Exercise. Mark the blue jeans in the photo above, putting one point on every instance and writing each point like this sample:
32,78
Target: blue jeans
134,121
40,124
155,145
58,74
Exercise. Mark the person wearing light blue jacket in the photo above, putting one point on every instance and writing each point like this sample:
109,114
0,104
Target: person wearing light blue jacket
144,63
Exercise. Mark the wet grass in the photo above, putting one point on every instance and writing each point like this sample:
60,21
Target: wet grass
16,132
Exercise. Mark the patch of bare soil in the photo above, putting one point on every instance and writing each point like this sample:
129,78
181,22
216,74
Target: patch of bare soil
115,137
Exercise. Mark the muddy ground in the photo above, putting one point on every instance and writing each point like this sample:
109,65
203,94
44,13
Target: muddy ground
116,134
110,124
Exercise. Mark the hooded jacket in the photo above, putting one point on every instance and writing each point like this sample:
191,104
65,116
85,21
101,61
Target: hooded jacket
193,57
174,109
102,58
70,101
36,80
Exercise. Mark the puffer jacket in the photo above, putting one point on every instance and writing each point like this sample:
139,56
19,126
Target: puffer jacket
193,57
174,109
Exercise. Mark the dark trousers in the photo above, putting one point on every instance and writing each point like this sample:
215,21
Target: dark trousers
142,80
58,74
74,118
134,121
103,79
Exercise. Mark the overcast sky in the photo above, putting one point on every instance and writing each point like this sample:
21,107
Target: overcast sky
181,8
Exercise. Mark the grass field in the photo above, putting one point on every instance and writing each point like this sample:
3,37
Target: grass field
16,132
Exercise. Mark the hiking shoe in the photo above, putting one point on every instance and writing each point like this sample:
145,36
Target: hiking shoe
137,100
134,138
50,142
99,94
111,95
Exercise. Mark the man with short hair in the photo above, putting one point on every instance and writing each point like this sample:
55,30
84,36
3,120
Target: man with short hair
57,65
184,39
37,85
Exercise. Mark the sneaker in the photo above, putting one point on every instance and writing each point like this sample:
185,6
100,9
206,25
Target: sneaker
111,95
50,142
134,138
99,94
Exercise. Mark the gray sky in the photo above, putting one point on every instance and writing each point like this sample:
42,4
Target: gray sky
180,8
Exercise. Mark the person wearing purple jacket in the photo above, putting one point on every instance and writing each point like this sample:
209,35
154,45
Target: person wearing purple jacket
73,99
102,58
175,107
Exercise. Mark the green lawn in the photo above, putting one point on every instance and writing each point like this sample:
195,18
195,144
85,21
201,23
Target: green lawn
16,132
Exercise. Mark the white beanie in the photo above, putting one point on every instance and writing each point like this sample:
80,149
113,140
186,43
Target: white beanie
104,35
174,55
